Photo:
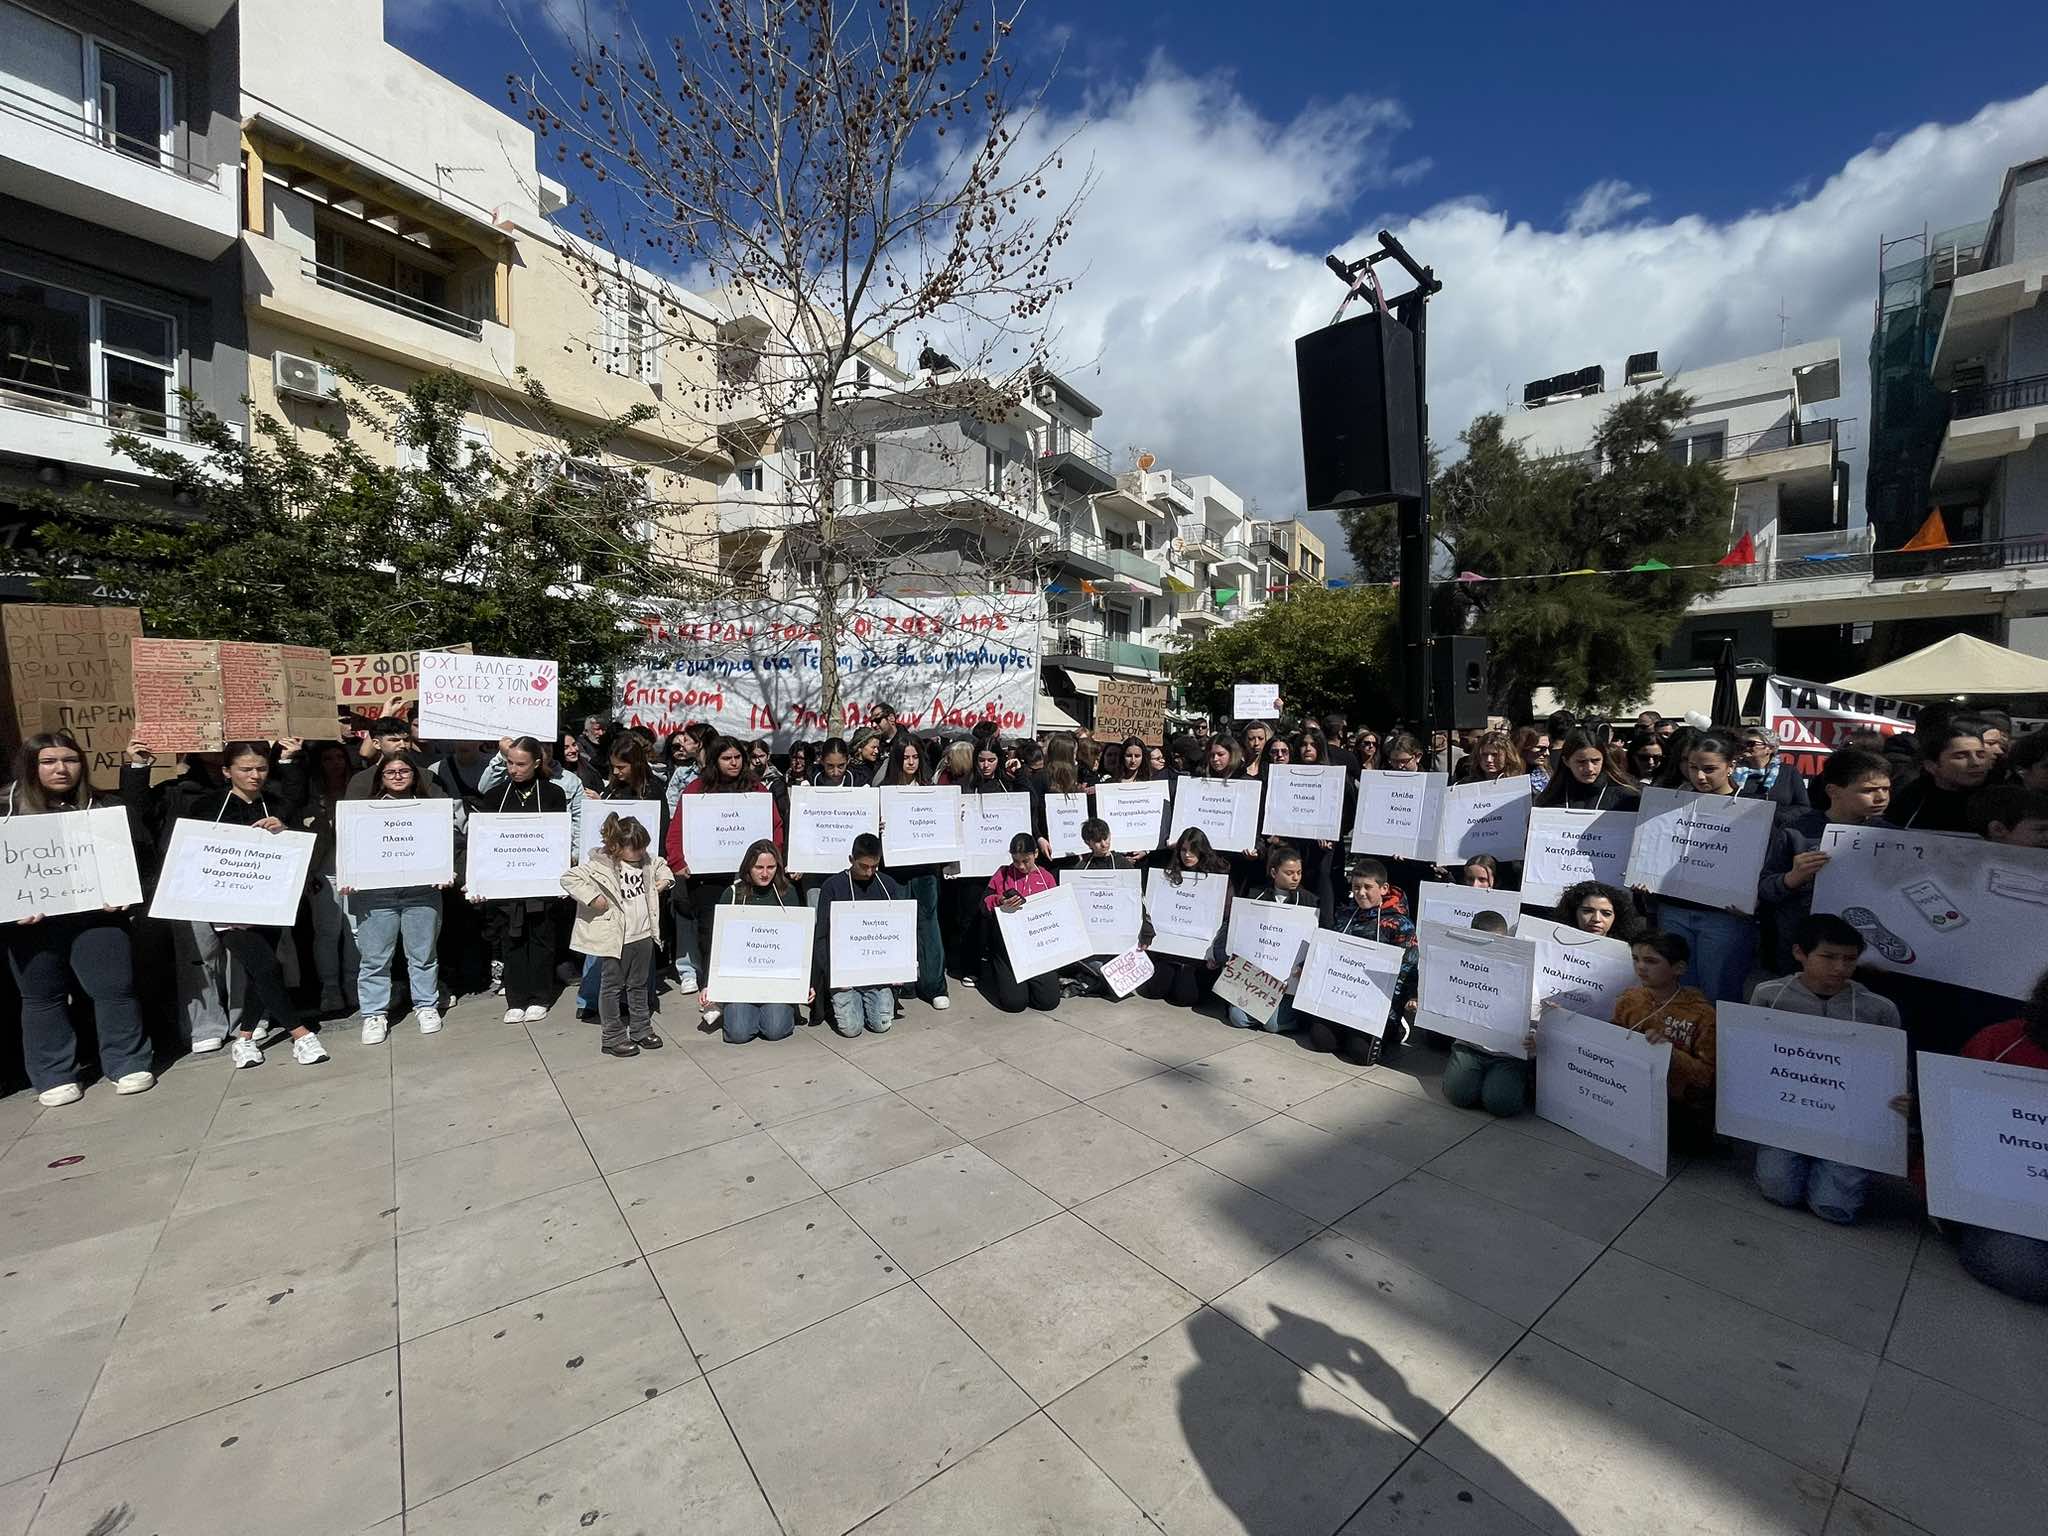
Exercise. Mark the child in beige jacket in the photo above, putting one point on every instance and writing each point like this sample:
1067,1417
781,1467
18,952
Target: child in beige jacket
618,919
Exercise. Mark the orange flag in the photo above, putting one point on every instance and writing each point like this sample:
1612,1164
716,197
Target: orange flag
1744,552
1933,534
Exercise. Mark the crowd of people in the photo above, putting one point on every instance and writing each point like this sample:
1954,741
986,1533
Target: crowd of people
632,927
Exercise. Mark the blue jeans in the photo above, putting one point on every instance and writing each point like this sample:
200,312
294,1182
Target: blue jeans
384,919
758,1021
588,988
858,1008
1723,948
1832,1191
1281,1023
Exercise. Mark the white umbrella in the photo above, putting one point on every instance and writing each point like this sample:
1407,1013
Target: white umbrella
1959,664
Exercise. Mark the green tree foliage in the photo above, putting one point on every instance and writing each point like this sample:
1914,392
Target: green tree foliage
1326,649
1499,512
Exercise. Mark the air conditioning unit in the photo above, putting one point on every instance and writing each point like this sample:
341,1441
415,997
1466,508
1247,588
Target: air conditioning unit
302,377
1047,395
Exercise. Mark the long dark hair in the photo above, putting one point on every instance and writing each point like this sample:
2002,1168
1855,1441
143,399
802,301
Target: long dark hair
1612,769
1207,860
710,778
378,791
29,794
892,764
780,884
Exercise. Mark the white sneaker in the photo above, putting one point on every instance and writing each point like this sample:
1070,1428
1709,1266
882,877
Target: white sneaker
375,1027
204,1047
307,1050
135,1082
62,1094
515,1015
430,1021
534,1014
942,1002
686,979
713,1014
246,1052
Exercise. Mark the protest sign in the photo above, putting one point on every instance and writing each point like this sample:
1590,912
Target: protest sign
1226,811
823,824
66,861
387,845
1112,906
1475,987
1948,907
1985,1125
1304,801
939,662
216,872
987,823
1127,972
1606,1084
1244,986
716,831
1255,701
68,670
381,683
482,698
1822,1087
1566,846
1125,709
873,943
1455,905
269,692
1489,816
514,854
1583,972
920,824
1271,936
1398,813
1064,815
1812,719
760,954
1703,848
650,814
1047,932
1136,814
1186,913
178,700
1349,981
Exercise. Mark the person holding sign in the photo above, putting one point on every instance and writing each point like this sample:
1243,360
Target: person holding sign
1084,977
1588,777
1475,1078
1179,978
725,773
855,1009
47,950
1375,911
1722,943
1856,786
618,889
521,929
1595,907
1283,889
2012,1262
905,769
763,882
385,918
1008,888
1661,1007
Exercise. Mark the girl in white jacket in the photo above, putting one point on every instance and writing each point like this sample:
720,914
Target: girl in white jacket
618,919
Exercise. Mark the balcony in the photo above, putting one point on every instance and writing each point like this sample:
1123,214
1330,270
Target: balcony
74,430
1075,457
1981,303
1071,645
1134,567
1841,577
1195,541
390,298
1799,453
1988,422
1995,399
1206,613
68,164
1234,552
1083,551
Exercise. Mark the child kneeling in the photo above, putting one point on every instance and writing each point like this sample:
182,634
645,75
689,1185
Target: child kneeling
618,919
1008,889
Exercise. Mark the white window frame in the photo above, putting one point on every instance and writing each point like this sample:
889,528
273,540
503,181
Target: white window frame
998,467
94,105
626,309
751,477
860,482
806,465
97,351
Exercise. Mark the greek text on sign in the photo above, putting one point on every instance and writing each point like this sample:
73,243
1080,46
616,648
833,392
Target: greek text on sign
68,670
515,855
1112,906
217,873
388,845
1244,986
482,698
1064,815
1812,719
1475,987
1044,934
874,943
1349,981
1566,846
823,824
717,830
1986,1129
920,824
1271,936
1126,709
1582,972
1305,800
1491,816
1822,1087
66,861
1136,814
1398,813
382,682
1226,811
760,954
1703,848
1187,913
649,814
1456,905
987,824
1255,701
1606,1084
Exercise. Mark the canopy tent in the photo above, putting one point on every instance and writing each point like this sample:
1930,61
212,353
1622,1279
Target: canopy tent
1052,718
1961,664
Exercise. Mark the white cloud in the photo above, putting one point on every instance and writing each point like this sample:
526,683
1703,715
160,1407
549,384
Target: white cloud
1601,204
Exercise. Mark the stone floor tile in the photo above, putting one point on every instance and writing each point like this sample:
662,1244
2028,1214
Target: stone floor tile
941,1207
436,1124
692,1193
470,1073
1527,1124
861,1140
1203,1231
1888,1231
1029,1481
1082,1066
806,1085
1426,1496
761,1280
52,1151
1174,1036
310,1099
1076,1153
1950,1463
1007,1036
1211,1433
844,1418
289,1228
1320,1175
1594,1199
1953,1327
1250,1070
74,1285
724,1062
507,1383
48,1380
986,1100
647,1131
1396,1125
1297,1046
285,1161
1856,1517
1179,1111
477,1263
903,1058
604,1083
18,1500
484,1174
91,1205
183,1093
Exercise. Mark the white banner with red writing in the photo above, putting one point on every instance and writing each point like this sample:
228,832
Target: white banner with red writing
941,662
1812,719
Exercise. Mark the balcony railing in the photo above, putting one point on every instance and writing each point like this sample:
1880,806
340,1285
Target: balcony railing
1233,549
390,298
1120,653
1854,553
1990,399
112,415
1064,439
14,104
1206,603
1074,542
1128,562
1182,486
1786,434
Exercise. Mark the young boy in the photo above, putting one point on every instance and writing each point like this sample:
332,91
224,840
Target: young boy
1008,889
1374,912
1825,985
1283,871
2011,814
1085,978
1474,1078
1662,1007
854,1008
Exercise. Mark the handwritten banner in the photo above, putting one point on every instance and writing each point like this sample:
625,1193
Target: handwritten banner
1823,1087
1124,709
68,670
66,861
1812,719
381,682
178,700
269,692
481,698
1244,986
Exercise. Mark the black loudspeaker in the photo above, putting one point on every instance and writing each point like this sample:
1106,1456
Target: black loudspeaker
1361,436
1463,695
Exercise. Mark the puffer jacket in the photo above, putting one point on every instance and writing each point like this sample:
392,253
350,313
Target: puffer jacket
604,933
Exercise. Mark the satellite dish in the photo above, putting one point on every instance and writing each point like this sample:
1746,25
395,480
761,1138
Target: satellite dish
1146,461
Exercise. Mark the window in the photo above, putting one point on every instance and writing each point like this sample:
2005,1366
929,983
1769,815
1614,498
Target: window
1118,623
61,76
1706,645
354,261
806,466
79,351
1701,448
1144,613
134,101
749,476
632,340
998,466
860,485
863,375
471,443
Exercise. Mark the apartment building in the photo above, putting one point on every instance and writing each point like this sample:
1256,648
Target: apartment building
1287,557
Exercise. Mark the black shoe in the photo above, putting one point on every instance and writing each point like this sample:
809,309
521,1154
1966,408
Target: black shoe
650,1042
586,1015
1322,1036
1359,1048
620,1050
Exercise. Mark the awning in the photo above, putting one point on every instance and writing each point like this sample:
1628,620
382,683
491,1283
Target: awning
1052,718
1089,683
1961,664
1671,700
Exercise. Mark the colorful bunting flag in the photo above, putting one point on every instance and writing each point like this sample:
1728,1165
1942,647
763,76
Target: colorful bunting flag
1933,533
1652,564
1744,552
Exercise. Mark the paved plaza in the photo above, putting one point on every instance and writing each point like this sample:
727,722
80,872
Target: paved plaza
1119,1269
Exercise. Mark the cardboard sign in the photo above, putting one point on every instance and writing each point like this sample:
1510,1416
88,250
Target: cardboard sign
1487,817
1187,913
1350,981
1064,815
1567,846
716,832
1112,906
1305,801
481,698
1455,905
1127,972
68,670
1606,1084
215,872
987,823
1255,701
873,943
388,845
760,954
1582,972
1272,936
382,682
1044,934
178,699
823,824
1818,1086
516,854
1126,709
1398,813
1704,848
1136,814
1475,987
66,861
649,813
269,692
1986,1130
1226,811
1948,907
1243,985
920,824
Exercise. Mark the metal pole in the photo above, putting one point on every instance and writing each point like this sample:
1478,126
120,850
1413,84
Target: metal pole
1413,608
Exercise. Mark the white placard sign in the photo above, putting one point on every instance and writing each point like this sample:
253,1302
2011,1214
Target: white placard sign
1350,981
1112,906
387,845
1475,987
1986,1130
1271,936
214,872
1127,972
1186,913
1818,1086
1305,800
920,824
1491,816
823,824
761,954
1047,932
1607,1084
987,823
1703,848
510,855
651,816
874,943
1950,908
1582,972
1255,701
66,861
1398,813
1456,905
1226,811
1136,813
481,698
1567,846
1064,815
716,831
